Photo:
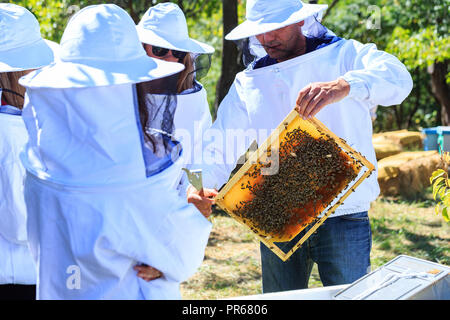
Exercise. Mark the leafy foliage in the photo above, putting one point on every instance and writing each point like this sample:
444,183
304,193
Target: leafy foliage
203,18
441,189
416,32
51,14
54,14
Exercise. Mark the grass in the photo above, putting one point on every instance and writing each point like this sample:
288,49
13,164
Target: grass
232,261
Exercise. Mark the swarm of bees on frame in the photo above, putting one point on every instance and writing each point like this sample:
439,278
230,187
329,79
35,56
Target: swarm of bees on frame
312,171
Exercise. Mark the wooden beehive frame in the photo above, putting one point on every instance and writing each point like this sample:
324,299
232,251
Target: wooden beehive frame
292,116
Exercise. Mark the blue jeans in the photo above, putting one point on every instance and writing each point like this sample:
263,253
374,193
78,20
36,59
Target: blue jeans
340,247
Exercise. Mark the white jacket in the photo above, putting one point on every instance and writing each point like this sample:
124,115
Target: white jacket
16,264
192,119
93,214
260,99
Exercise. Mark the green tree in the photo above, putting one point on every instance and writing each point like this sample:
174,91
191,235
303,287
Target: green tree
422,42
53,14
204,18
417,33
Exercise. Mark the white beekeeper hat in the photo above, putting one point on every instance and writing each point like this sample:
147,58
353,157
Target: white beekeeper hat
21,44
164,25
267,15
100,47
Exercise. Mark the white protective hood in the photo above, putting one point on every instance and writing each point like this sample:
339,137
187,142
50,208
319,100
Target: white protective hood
83,136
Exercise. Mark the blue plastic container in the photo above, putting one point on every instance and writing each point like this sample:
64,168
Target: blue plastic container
437,138
431,139
443,138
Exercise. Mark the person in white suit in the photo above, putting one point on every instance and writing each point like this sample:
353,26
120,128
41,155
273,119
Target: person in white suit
99,190
296,62
164,33
22,50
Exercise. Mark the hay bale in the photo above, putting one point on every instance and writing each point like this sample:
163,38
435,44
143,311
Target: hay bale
381,138
386,149
406,139
408,173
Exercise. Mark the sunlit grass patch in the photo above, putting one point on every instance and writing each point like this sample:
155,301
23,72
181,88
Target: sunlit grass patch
232,265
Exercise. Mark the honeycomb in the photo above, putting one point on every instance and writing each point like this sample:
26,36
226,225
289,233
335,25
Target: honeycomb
314,168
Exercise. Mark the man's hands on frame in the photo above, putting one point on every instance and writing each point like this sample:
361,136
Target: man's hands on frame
317,95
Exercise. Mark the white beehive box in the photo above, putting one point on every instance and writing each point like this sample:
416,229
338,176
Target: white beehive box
403,278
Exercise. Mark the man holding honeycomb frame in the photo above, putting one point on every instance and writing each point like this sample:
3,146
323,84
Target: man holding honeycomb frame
294,61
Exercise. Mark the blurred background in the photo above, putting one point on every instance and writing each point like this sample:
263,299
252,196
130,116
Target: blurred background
413,30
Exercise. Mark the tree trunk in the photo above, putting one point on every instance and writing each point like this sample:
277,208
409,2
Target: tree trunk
440,89
133,13
230,53
418,93
330,7
398,111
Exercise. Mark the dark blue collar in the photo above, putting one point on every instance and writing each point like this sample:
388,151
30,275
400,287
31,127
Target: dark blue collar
10,110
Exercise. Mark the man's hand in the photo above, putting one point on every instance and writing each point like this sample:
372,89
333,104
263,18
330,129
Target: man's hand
315,96
202,200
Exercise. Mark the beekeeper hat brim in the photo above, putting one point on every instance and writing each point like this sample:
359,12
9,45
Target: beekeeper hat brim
100,47
100,73
265,16
22,46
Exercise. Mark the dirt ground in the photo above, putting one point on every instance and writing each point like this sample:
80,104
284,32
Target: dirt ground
232,265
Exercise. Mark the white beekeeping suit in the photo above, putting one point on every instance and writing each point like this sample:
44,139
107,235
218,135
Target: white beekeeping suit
21,48
191,120
94,211
16,264
259,99
164,26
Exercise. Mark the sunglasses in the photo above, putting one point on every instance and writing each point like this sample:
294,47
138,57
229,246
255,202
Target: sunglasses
161,52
